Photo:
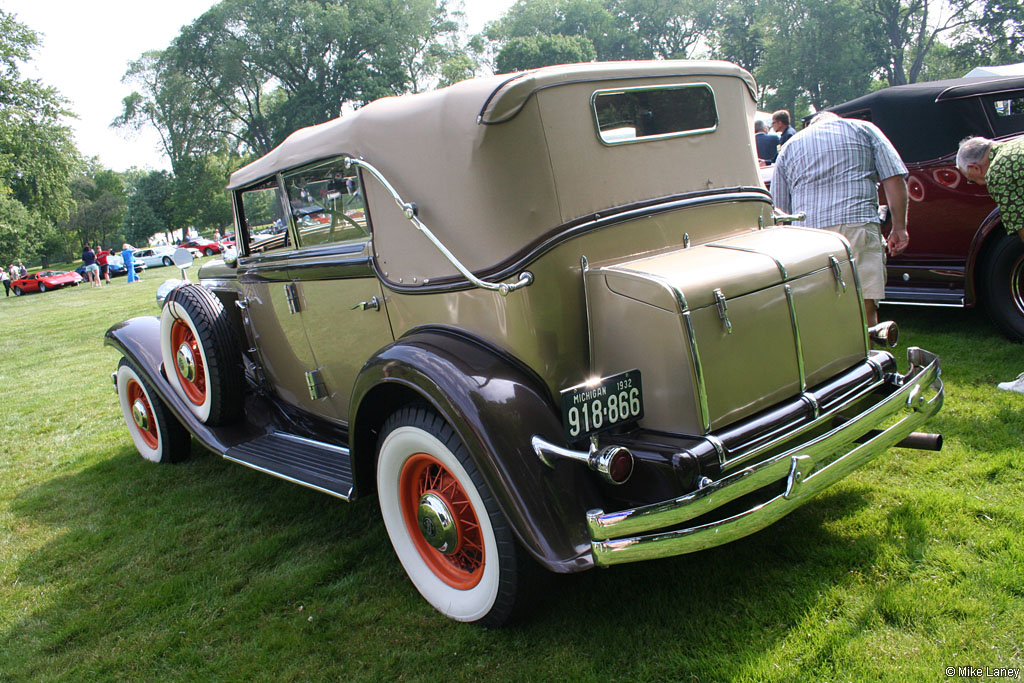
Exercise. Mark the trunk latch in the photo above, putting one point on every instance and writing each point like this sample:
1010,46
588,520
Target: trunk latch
723,310
837,270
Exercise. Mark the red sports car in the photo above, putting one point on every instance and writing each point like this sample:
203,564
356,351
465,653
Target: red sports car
44,280
207,247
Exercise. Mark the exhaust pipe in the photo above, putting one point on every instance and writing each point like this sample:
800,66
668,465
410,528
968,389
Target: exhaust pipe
923,441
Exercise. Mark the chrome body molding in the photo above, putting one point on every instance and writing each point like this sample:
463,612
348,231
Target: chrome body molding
802,467
698,373
409,211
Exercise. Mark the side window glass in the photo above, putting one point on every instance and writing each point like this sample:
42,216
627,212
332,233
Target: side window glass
327,204
1006,111
262,213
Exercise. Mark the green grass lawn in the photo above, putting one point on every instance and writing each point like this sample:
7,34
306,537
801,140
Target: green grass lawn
112,567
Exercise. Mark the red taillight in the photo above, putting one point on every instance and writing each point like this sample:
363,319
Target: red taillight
621,466
614,463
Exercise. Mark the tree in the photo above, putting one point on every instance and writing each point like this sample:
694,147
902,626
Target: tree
269,68
150,208
37,154
531,52
906,31
182,114
100,200
198,197
588,21
669,29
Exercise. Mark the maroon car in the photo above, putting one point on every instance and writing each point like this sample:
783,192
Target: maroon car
959,254
205,246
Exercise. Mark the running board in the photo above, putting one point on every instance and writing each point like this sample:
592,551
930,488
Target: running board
321,466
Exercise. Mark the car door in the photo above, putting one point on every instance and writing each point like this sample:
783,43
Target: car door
341,300
270,309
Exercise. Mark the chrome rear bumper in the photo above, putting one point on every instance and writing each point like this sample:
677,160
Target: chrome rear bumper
807,468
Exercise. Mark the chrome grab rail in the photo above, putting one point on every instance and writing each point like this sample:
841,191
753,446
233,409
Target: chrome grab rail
409,211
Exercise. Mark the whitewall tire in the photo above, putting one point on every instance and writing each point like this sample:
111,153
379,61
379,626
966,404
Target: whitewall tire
445,527
201,360
156,433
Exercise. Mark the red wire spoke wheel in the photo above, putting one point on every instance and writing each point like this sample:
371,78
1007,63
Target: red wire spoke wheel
445,526
201,356
188,362
441,521
142,414
155,431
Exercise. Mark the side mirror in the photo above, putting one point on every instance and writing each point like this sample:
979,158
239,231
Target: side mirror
182,258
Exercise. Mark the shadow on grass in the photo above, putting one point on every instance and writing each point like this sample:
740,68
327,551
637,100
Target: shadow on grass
206,568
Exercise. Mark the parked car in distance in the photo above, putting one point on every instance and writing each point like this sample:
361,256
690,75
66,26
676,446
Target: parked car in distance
205,246
154,257
228,240
959,254
532,340
44,280
115,266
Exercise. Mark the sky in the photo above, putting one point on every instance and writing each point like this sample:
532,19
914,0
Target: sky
86,48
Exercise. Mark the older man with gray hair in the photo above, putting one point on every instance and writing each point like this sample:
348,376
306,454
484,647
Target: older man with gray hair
999,166
831,171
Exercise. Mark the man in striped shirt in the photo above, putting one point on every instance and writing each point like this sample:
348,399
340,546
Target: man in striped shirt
831,171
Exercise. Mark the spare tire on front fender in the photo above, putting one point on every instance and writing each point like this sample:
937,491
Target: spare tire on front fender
200,354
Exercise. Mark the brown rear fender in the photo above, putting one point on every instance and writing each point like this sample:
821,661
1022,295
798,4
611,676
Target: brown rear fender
495,404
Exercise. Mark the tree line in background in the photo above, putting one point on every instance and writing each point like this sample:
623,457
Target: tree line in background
236,81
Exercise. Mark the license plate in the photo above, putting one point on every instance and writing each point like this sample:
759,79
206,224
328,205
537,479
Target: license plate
602,404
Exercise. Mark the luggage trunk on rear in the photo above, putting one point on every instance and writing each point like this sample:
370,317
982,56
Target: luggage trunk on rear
722,330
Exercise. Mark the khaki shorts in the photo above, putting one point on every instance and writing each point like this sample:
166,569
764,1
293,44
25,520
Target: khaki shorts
869,251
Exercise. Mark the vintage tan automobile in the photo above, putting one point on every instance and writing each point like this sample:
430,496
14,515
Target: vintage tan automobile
544,317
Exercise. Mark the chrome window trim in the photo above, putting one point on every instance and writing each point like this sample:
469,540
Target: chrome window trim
649,88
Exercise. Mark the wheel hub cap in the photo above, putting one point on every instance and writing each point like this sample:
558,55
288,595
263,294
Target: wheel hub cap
437,523
140,415
186,362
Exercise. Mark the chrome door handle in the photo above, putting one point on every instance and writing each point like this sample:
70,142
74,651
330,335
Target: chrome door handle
243,304
373,303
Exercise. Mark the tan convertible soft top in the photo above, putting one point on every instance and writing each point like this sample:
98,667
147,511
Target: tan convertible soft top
496,163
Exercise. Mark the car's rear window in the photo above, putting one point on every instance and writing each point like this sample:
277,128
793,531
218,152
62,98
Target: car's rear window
654,112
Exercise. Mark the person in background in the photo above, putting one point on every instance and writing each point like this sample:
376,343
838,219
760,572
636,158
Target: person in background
92,271
13,270
831,171
22,270
781,125
999,166
102,256
767,143
127,253
7,282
